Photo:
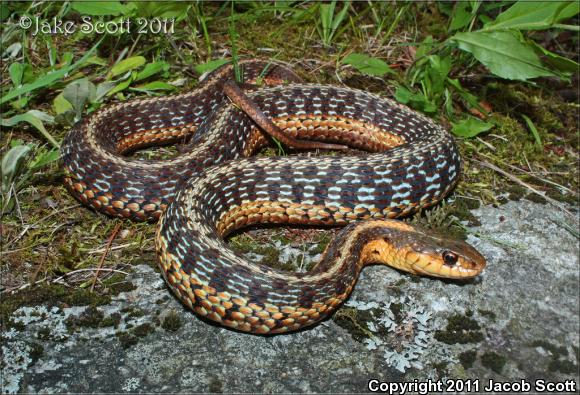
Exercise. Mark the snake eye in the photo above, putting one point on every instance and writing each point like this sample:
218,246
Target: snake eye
449,258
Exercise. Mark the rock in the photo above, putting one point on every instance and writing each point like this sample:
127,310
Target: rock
519,320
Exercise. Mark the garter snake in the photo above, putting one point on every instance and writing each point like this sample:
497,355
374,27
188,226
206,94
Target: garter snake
216,187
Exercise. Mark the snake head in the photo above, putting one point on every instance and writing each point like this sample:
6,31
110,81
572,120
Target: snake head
440,256
420,251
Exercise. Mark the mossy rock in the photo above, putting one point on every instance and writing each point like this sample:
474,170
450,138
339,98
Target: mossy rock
91,317
461,329
493,361
172,322
51,295
467,358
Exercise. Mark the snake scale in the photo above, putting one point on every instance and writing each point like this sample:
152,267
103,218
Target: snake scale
215,187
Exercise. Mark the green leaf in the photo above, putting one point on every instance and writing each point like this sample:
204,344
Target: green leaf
471,99
153,86
555,61
120,87
170,9
503,54
210,66
532,15
34,118
12,163
97,60
470,127
78,93
127,65
4,11
461,16
426,46
114,8
102,89
49,78
16,71
44,158
368,65
533,129
437,74
60,105
415,100
151,69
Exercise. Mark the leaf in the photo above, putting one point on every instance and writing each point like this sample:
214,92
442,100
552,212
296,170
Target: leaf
525,15
120,87
461,16
210,66
415,100
127,65
151,69
34,118
503,54
470,127
170,9
102,89
114,8
44,158
555,61
60,105
437,72
78,93
16,71
49,78
368,65
533,129
153,86
12,163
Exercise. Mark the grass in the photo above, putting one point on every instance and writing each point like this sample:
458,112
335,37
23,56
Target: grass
48,235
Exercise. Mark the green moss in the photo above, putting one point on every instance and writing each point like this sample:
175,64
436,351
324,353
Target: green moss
559,196
172,322
51,295
555,350
396,309
215,386
534,197
112,320
136,313
563,366
460,330
442,219
441,368
91,317
36,352
493,361
322,242
244,243
354,321
557,363
121,286
487,313
142,330
516,192
467,358
44,333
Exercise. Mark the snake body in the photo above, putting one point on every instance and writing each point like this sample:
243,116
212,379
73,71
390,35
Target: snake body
413,163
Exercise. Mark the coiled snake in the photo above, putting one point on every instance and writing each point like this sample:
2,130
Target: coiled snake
215,187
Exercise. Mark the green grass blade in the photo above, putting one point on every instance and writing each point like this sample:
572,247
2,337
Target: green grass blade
48,78
533,129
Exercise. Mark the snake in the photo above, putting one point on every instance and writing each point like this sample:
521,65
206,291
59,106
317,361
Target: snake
216,187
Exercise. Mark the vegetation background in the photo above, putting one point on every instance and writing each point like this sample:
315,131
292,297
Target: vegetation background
502,76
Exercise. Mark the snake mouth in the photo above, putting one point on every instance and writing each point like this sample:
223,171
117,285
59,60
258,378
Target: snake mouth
458,272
